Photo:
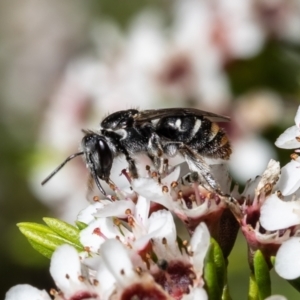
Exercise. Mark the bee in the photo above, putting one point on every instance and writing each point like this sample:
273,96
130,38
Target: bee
158,133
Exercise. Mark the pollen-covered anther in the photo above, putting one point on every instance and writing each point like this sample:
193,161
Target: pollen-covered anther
96,198
192,198
209,195
174,184
130,221
148,168
179,194
192,276
117,222
53,292
112,186
185,243
81,278
267,188
165,189
95,282
139,270
128,211
279,195
87,249
154,174
294,156
113,198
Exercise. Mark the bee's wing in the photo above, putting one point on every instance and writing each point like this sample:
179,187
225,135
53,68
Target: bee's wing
152,114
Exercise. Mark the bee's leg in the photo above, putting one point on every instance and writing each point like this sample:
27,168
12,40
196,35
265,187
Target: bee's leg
131,163
132,166
120,148
195,162
155,152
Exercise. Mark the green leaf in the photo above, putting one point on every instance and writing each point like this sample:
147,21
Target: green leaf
44,239
44,251
67,231
219,261
81,225
211,277
262,275
34,227
221,269
253,288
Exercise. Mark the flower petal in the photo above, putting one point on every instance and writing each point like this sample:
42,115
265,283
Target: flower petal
287,140
287,263
276,214
97,232
289,181
196,293
152,190
276,297
26,292
65,268
199,245
117,261
162,227
142,210
270,175
87,215
116,209
297,118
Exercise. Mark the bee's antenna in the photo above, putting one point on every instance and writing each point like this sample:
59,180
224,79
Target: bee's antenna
60,166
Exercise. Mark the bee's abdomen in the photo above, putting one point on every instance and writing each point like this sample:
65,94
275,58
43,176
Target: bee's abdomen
211,141
218,147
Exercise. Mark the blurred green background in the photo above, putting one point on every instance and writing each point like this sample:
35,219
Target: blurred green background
44,49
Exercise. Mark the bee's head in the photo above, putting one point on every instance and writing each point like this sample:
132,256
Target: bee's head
98,156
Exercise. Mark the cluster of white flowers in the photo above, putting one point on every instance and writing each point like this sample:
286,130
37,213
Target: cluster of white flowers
268,210
131,246
281,211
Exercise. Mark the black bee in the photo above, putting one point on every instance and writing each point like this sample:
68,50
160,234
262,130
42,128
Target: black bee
159,134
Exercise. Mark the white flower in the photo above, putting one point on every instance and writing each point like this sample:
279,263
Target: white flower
199,245
287,263
281,209
196,293
279,213
289,181
276,297
98,231
67,272
290,139
26,292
